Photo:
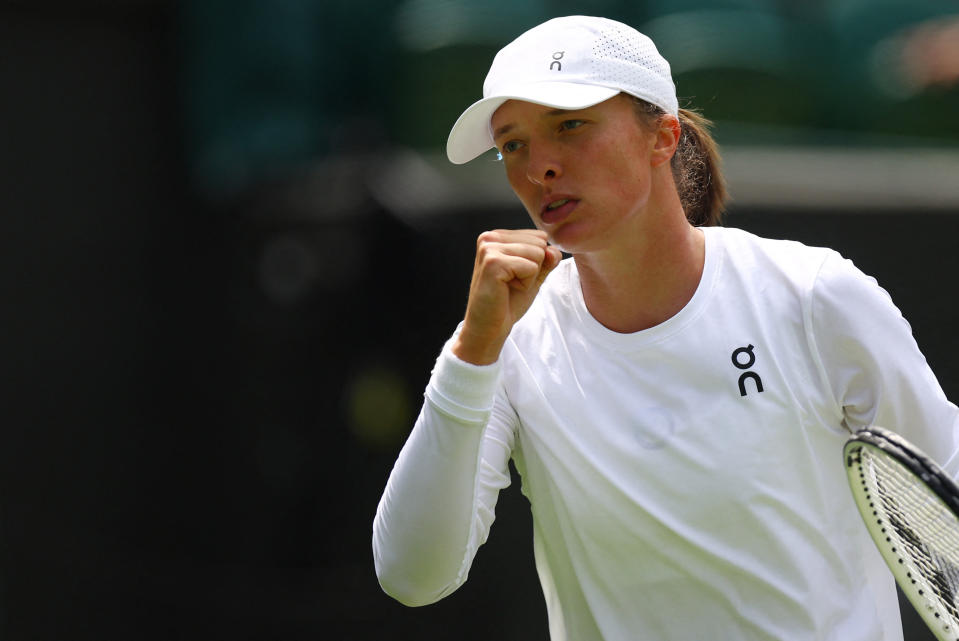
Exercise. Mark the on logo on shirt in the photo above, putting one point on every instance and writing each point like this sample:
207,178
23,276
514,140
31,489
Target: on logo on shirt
744,358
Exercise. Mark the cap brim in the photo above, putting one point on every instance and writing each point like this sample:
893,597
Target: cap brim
471,134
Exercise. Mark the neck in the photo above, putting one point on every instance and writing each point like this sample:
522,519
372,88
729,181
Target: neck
646,279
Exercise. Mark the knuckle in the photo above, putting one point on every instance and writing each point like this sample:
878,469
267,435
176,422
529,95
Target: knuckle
488,256
489,236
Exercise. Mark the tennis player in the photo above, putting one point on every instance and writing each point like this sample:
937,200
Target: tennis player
675,396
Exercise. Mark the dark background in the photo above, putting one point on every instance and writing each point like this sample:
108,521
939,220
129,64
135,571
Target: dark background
229,259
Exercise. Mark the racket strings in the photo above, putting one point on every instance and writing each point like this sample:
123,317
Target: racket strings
920,531
935,567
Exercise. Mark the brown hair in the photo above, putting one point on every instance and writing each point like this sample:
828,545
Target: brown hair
696,165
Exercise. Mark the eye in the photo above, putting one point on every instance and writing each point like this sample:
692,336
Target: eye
511,146
572,124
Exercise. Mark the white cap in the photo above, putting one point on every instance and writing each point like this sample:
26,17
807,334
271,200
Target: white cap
566,63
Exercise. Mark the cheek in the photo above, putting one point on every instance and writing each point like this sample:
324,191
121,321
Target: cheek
631,171
627,187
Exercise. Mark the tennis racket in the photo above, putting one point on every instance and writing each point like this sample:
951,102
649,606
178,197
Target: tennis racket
910,508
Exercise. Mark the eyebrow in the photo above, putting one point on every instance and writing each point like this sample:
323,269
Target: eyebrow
505,129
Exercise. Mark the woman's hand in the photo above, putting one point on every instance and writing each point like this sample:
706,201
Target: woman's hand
510,267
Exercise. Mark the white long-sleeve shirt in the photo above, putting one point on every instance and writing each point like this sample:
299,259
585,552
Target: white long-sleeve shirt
686,481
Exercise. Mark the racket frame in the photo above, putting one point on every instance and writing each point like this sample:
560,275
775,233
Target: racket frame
924,469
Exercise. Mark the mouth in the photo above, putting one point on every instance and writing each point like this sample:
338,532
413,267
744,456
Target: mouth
556,210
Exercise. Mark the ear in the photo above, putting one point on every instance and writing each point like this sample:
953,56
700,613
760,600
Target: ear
667,139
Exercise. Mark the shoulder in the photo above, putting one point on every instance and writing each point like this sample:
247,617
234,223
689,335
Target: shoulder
833,295
748,245
758,257
841,288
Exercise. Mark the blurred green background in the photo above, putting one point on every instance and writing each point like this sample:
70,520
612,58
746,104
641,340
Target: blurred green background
270,85
233,248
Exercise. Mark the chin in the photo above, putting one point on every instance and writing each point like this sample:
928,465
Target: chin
569,239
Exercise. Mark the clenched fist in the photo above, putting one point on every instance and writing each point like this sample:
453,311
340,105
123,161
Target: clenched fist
510,267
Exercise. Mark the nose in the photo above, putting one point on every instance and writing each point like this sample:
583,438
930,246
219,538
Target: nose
545,164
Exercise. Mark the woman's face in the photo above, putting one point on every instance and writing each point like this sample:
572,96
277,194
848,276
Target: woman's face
584,176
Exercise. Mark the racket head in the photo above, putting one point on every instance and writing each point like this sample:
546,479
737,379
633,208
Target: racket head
910,508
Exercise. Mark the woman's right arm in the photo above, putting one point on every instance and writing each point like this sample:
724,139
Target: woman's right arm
439,502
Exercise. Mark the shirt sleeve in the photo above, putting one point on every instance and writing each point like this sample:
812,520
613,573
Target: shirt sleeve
439,501
874,367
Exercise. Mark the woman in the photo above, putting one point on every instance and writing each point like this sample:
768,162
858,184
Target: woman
675,396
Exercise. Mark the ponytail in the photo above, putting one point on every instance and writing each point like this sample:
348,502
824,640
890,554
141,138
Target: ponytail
695,165
697,172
